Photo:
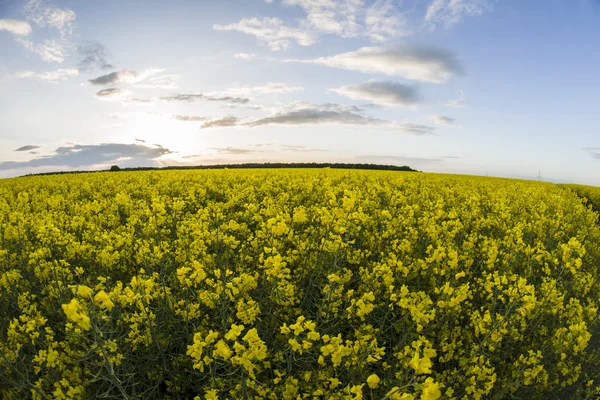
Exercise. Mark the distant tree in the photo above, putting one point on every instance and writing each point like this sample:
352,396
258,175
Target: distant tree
115,168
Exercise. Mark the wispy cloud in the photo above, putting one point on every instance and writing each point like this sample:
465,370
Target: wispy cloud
411,128
44,14
160,82
378,21
93,55
234,150
399,160
443,120
221,123
382,93
112,94
124,77
89,155
267,88
16,27
421,63
302,113
383,20
271,31
244,56
450,12
50,76
28,147
457,102
137,101
315,116
48,50
297,148
203,96
594,152
189,118
265,148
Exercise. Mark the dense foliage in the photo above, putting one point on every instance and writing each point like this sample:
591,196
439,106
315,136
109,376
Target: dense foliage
296,284
590,195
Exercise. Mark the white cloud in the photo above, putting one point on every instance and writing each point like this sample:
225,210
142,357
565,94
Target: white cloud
244,56
450,12
50,76
46,15
271,31
443,120
49,50
20,28
428,64
383,93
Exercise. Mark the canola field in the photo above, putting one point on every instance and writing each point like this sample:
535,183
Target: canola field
296,284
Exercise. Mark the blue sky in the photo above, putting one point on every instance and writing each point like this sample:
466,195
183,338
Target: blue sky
498,87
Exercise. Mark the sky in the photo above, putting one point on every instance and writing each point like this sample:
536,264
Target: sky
485,87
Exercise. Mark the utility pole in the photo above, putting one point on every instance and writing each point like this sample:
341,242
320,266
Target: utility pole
539,176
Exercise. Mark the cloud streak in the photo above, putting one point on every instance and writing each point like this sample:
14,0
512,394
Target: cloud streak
382,93
160,82
420,63
48,50
302,113
112,94
50,76
267,88
443,120
224,122
124,77
189,118
206,97
28,147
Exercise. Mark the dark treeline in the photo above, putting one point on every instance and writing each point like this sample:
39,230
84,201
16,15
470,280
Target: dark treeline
116,168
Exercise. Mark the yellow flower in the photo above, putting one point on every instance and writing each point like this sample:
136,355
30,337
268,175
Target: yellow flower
103,300
74,313
421,365
431,390
234,332
373,381
84,291
222,350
